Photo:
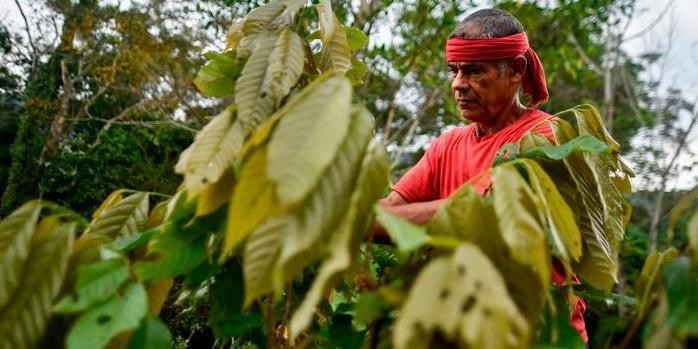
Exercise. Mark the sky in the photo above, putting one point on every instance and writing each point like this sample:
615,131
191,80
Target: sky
676,30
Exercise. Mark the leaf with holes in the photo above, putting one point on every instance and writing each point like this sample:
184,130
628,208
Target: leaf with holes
97,326
465,299
24,317
124,218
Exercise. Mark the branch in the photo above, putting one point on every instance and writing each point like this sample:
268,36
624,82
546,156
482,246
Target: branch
428,103
29,35
594,66
651,25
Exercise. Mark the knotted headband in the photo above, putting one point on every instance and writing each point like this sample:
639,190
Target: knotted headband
485,49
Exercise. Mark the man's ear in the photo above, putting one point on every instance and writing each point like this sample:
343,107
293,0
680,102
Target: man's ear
518,67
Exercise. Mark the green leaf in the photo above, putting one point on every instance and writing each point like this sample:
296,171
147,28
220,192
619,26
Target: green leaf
407,236
131,242
307,138
369,307
15,236
585,143
261,22
685,203
217,77
556,330
214,150
152,334
357,72
23,319
465,299
96,282
335,53
356,39
97,326
180,246
373,178
253,95
126,217
681,283
285,64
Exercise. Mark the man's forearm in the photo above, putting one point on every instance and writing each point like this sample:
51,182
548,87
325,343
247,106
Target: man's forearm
417,213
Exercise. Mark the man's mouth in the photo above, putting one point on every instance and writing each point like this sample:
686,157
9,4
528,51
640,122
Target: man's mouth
464,103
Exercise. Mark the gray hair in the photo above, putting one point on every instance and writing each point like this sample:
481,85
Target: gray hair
488,23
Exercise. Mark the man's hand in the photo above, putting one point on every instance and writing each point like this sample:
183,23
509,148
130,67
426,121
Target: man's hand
419,213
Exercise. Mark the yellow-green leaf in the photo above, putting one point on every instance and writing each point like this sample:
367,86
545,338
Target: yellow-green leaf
307,138
465,299
254,98
335,53
15,235
215,149
110,201
216,194
260,255
126,217
23,319
285,64
373,179
254,200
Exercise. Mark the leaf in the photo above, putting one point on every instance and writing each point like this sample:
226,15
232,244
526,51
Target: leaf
226,292
254,200
131,242
464,298
583,143
216,194
96,282
335,53
282,246
124,218
264,21
356,38
681,283
23,319
214,151
157,295
556,330
648,280
285,64
180,246
685,203
373,178
15,236
357,72
97,326
564,233
692,233
255,99
407,236
152,334
326,19
217,77
600,206
468,217
307,138
111,200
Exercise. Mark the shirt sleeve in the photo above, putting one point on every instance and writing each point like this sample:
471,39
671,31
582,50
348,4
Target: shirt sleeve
418,184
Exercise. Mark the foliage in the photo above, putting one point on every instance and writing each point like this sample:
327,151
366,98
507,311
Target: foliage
266,238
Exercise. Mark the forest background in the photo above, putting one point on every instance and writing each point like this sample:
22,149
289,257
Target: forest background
101,95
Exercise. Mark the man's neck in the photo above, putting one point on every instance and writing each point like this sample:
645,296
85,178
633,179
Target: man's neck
505,118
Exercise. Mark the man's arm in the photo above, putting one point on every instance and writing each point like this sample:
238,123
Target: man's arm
417,213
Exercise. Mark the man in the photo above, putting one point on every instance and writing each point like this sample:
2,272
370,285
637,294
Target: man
490,60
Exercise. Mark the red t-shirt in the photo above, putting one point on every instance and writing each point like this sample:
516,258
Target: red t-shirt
459,156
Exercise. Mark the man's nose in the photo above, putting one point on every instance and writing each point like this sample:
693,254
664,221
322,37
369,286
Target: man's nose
459,82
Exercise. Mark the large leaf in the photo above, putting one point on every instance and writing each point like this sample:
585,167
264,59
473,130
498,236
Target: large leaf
371,183
97,326
307,138
564,236
335,53
214,151
464,298
254,200
405,235
263,21
217,77
152,334
23,318
600,206
253,94
467,216
124,218
96,282
281,247
15,235
685,204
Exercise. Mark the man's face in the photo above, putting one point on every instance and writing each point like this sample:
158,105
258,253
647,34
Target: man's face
482,90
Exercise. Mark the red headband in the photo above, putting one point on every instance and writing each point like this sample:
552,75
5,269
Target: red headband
465,50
